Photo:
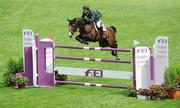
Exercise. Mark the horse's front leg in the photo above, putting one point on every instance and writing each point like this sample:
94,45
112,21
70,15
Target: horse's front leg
88,37
80,39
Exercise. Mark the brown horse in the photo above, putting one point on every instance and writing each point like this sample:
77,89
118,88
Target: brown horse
89,33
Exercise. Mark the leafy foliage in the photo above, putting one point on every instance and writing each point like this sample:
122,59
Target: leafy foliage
172,77
21,80
132,91
12,68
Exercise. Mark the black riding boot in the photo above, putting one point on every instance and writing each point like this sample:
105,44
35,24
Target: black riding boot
101,32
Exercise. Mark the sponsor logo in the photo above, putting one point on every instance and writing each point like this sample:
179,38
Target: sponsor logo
163,41
94,73
142,50
27,33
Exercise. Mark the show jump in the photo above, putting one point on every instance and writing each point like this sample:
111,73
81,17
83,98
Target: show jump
148,64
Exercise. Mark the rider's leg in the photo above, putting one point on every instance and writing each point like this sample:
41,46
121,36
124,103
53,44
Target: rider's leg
98,23
101,32
101,28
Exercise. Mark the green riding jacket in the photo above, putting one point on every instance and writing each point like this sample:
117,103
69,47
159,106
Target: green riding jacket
93,16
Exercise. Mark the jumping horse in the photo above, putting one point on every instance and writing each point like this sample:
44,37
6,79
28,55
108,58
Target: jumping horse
88,33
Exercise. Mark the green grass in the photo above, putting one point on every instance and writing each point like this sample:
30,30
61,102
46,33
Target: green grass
75,97
71,96
140,20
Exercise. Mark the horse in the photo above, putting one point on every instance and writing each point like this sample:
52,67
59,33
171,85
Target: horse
89,33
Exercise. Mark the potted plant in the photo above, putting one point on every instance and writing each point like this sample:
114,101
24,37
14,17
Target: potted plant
132,91
158,92
174,90
172,80
174,93
21,81
143,94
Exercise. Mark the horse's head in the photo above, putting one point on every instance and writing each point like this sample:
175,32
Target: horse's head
72,27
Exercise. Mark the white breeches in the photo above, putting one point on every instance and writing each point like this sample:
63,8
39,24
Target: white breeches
100,24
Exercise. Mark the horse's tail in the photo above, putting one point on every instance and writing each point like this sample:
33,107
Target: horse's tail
114,29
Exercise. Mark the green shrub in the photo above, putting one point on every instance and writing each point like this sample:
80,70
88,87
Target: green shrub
132,91
12,68
172,76
20,65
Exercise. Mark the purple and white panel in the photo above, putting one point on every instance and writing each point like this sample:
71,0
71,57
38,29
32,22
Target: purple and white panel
49,60
28,38
29,56
34,60
49,56
142,67
160,58
94,72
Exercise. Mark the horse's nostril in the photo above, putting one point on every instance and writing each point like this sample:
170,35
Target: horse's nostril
70,34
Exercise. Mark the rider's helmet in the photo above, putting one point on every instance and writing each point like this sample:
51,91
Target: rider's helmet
86,7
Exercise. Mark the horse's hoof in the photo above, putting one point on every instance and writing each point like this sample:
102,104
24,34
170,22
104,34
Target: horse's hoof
118,59
86,43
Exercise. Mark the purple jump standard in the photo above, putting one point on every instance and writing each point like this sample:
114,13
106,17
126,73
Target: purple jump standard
91,84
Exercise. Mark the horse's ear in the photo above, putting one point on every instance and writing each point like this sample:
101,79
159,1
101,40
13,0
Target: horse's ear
68,20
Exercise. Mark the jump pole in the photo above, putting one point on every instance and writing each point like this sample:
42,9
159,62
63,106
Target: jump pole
94,48
93,59
90,84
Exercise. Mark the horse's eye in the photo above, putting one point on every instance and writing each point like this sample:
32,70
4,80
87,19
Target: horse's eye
73,24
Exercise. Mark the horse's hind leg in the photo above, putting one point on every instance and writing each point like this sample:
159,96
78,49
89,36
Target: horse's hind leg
115,53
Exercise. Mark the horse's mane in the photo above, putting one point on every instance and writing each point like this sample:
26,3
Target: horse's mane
81,21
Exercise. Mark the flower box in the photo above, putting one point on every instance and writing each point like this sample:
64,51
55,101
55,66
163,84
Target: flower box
21,81
143,97
174,94
21,86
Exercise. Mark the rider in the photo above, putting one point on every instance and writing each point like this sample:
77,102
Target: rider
95,17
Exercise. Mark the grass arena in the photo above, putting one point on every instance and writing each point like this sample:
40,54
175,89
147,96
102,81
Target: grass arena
140,20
